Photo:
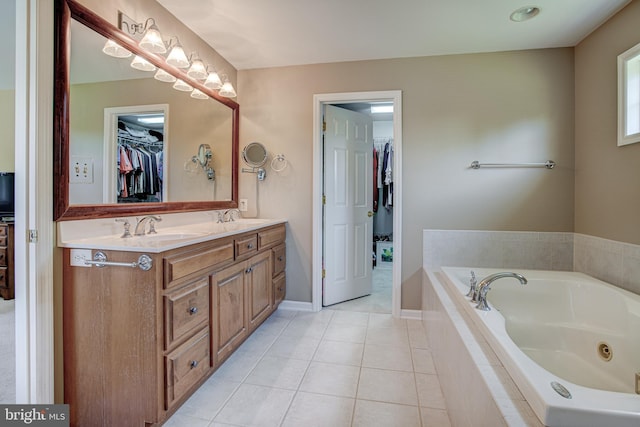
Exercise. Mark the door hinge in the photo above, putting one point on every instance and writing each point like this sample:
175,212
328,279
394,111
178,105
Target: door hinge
324,199
324,126
33,236
324,273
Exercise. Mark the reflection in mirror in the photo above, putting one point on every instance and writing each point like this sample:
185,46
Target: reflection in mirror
98,86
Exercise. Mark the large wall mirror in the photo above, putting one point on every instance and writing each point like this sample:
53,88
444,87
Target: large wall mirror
105,109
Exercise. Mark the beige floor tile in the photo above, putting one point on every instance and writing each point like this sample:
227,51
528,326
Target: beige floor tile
387,386
209,398
429,391
387,357
318,410
278,372
418,338
342,353
320,316
423,361
380,414
179,419
388,336
253,405
386,320
345,333
305,328
293,347
434,417
237,366
352,318
328,378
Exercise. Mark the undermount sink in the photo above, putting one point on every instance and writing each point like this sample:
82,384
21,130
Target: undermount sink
160,237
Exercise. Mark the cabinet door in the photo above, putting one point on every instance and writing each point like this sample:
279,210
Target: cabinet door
229,310
259,278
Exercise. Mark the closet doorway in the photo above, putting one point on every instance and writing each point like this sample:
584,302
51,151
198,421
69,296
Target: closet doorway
384,255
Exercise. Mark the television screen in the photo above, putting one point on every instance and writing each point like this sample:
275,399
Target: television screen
7,193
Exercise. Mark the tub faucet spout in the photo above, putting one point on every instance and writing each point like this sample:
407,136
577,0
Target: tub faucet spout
483,287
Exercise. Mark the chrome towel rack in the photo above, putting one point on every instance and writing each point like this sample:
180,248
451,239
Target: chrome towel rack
549,164
145,262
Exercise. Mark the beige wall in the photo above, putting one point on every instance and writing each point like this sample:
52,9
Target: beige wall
607,176
495,107
7,126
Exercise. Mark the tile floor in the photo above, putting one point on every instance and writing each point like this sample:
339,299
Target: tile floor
348,365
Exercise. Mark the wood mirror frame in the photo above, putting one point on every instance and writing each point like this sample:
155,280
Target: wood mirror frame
65,10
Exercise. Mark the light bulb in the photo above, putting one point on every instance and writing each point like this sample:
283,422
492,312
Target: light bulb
142,64
152,40
197,70
177,58
163,76
112,48
181,85
213,81
227,90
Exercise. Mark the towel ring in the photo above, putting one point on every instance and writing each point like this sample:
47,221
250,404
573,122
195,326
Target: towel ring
279,163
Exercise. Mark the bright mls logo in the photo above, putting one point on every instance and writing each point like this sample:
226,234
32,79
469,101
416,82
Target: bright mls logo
36,415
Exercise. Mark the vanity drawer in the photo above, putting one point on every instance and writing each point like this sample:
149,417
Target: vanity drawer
272,236
279,259
185,366
246,245
3,257
3,240
3,230
185,309
3,277
181,265
279,289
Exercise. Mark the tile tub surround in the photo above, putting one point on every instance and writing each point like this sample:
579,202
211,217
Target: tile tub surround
614,262
477,389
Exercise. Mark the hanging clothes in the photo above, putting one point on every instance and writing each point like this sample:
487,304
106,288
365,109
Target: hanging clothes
384,173
375,180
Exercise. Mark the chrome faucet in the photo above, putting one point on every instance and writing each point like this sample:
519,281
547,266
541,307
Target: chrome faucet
473,288
483,287
142,222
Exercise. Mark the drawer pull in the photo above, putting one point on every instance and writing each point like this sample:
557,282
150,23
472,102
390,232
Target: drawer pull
193,310
280,258
193,364
1,256
250,246
249,270
1,276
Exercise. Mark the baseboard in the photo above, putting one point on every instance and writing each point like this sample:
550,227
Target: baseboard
411,314
295,305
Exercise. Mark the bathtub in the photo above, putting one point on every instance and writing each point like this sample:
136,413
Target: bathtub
562,332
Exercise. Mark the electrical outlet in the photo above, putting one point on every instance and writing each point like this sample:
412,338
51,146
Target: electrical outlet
243,206
79,256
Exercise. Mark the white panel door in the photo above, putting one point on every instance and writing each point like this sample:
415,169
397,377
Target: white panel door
348,190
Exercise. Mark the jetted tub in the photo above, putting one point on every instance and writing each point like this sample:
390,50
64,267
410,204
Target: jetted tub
562,331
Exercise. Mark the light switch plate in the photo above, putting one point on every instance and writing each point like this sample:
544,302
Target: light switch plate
81,171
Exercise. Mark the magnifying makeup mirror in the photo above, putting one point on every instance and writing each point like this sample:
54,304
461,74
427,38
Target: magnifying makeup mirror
255,155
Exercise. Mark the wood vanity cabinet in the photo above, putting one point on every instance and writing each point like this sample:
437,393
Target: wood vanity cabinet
7,268
138,343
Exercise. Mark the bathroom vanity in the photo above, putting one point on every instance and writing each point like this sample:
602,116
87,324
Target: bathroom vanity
138,343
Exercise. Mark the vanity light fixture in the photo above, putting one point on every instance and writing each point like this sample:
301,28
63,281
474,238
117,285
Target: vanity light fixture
182,86
524,13
213,81
163,76
197,70
227,89
198,94
142,64
112,48
176,56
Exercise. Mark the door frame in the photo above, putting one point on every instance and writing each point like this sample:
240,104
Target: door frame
319,100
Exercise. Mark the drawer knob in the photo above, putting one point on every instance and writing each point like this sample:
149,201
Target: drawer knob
1,276
250,246
249,270
1,256
193,364
193,310
280,258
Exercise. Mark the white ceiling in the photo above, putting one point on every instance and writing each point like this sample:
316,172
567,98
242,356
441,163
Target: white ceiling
270,33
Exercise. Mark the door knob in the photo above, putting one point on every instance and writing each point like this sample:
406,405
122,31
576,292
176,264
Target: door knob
369,214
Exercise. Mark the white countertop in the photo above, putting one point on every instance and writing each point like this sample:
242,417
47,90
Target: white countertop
173,231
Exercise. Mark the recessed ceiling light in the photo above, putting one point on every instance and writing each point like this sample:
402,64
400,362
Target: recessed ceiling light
382,108
524,13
